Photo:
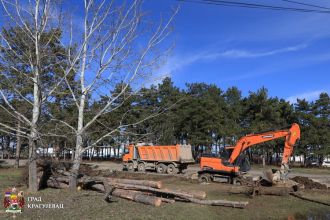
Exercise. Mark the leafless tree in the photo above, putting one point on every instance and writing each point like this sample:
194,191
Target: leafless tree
112,43
118,45
24,57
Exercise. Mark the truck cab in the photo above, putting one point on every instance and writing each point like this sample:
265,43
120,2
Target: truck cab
128,153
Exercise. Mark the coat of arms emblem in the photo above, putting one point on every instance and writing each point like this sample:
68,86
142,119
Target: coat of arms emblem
13,200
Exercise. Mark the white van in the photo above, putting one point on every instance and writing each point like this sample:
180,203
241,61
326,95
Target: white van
326,163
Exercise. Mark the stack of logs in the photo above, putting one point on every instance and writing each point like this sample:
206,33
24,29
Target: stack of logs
143,191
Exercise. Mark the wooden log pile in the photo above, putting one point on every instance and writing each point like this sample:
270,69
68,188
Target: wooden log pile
142,191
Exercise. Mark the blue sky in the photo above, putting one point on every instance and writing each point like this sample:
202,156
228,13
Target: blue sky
287,52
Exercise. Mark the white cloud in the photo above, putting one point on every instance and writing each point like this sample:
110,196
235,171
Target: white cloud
178,62
309,96
249,54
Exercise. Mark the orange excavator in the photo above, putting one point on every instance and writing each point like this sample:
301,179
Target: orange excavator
232,169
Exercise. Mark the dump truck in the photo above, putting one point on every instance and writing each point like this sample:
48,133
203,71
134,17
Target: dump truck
169,159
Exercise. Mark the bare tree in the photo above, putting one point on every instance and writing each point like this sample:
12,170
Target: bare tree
118,45
113,43
26,62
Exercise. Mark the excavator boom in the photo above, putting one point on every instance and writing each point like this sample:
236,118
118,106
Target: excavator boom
291,135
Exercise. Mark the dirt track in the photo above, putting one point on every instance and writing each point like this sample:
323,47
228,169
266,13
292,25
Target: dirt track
322,178
109,165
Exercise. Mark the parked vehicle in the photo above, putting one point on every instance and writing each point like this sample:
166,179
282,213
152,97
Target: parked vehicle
164,159
231,169
326,164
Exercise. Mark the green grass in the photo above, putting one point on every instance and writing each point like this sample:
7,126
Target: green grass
90,205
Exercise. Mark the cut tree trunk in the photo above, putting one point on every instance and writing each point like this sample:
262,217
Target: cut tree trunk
277,191
172,193
171,201
56,184
153,184
226,203
194,193
137,197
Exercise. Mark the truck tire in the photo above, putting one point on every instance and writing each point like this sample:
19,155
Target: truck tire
141,167
161,168
171,169
130,167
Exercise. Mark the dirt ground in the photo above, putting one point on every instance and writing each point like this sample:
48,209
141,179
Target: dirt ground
90,205
318,175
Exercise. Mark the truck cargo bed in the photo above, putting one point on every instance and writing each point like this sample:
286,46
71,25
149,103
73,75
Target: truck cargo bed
174,153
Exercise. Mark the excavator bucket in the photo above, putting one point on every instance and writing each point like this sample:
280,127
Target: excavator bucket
268,175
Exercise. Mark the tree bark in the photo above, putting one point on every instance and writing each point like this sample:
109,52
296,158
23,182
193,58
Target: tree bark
263,160
53,183
74,171
7,146
37,99
276,191
18,145
76,162
137,197
33,184
173,193
226,203
153,184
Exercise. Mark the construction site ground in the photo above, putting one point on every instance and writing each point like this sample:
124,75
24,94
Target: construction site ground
90,204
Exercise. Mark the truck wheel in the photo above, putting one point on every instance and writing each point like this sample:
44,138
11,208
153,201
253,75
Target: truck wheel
130,167
141,167
161,168
204,178
171,169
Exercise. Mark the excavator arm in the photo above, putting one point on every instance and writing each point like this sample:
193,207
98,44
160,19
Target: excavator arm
291,136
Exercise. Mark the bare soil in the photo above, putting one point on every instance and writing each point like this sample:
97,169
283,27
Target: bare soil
308,183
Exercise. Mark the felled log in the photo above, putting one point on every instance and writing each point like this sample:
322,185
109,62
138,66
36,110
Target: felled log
183,196
241,190
195,194
137,197
226,203
172,193
65,173
153,184
53,183
277,191
98,187
171,201
108,192
63,179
